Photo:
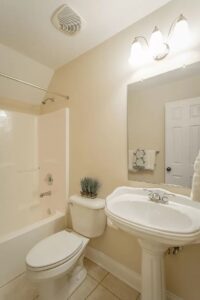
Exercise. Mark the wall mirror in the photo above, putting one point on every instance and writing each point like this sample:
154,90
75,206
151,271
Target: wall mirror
164,127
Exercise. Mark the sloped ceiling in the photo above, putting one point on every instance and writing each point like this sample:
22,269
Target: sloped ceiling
26,26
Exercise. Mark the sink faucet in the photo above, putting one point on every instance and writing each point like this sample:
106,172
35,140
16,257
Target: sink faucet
158,198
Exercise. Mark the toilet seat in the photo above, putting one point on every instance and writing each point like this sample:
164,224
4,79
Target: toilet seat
53,251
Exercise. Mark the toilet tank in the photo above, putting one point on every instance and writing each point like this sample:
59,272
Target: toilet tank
88,216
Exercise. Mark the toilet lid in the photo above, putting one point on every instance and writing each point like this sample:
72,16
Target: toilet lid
56,248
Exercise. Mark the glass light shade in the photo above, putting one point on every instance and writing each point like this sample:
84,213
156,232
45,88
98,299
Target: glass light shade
156,43
3,118
180,36
3,114
136,55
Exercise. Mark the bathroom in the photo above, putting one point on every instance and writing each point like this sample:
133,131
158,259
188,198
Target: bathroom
80,130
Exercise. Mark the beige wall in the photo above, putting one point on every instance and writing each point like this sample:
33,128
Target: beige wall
146,119
97,85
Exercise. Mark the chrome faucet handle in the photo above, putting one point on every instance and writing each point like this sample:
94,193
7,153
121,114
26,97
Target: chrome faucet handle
158,197
153,196
165,197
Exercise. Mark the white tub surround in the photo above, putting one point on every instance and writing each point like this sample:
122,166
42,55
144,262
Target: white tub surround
28,155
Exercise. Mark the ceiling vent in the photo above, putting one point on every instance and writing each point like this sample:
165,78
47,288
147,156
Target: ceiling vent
66,20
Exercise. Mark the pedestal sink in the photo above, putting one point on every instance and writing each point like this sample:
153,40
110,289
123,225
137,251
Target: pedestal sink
158,226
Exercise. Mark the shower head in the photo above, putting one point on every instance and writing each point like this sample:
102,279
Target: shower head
48,99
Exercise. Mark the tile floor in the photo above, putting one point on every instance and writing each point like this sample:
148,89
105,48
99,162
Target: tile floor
101,285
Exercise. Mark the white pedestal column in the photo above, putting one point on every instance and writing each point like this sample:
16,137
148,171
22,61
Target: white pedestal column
153,273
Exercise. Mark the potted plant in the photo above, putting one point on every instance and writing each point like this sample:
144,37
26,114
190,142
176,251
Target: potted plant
89,187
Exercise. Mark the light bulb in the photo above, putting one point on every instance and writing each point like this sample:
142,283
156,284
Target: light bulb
180,36
136,55
156,43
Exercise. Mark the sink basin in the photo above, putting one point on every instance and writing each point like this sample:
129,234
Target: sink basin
157,227
174,223
158,217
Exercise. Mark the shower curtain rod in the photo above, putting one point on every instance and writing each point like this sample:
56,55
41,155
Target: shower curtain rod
34,86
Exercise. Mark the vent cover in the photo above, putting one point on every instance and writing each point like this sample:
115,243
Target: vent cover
66,20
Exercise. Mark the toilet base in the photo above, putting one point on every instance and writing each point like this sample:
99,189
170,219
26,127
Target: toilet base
61,288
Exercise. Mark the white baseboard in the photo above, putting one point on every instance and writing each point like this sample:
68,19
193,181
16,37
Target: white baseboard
123,273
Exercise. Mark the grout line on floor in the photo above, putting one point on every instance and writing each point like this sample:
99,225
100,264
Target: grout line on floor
99,283
101,279
110,292
96,285
138,297
13,279
81,284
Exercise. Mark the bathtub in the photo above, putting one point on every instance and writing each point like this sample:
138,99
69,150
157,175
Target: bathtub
14,246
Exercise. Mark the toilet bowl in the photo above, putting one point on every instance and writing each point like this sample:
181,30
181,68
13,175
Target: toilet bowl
55,264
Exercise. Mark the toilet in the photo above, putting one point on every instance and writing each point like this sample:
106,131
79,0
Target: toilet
55,264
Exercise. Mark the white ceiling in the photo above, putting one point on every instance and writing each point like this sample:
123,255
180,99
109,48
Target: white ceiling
26,27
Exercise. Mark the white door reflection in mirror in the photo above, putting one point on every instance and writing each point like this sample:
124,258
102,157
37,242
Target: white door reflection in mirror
182,140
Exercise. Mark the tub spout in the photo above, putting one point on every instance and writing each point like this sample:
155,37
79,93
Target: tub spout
48,193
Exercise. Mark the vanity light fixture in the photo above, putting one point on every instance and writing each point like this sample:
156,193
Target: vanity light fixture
157,47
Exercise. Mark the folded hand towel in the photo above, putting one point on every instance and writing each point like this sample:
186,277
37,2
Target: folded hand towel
150,159
142,159
138,159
